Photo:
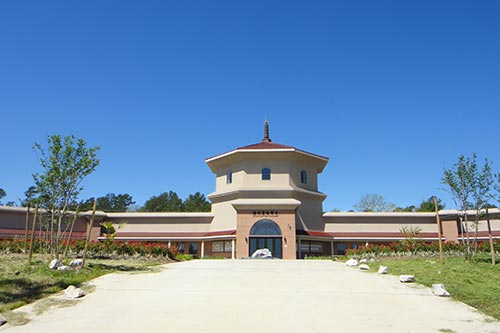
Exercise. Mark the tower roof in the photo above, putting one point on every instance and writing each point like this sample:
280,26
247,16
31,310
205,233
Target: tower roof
266,145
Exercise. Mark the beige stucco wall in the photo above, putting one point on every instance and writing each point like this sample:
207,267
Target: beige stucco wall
310,210
370,222
15,218
164,222
224,216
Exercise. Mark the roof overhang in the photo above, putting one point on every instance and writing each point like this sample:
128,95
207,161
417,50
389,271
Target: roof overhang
248,204
215,162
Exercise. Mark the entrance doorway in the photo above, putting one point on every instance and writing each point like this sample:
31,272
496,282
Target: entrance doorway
266,234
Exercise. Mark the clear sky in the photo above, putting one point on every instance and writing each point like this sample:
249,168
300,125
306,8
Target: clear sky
391,91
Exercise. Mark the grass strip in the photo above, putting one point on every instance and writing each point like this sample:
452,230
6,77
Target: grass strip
476,283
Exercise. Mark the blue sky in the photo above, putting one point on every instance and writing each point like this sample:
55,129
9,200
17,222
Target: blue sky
391,91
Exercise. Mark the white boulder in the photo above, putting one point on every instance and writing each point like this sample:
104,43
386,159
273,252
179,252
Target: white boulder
73,292
76,262
438,290
54,264
364,267
262,253
406,278
351,262
64,268
363,261
383,270
2,320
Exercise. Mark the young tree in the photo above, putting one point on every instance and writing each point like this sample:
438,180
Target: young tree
373,202
196,203
65,163
470,188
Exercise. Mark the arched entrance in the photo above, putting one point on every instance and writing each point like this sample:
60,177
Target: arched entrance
266,234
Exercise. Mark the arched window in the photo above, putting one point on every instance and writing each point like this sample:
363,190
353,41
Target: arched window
265,227
266,174
229,177
303,177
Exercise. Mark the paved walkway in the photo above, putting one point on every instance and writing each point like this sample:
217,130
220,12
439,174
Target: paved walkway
258,296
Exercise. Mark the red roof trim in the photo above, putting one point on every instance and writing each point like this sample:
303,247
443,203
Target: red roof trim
318,233
382,234
266,145
176,234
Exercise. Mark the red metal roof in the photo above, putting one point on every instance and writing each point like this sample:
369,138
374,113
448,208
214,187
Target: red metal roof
266,145
317,233
176,234
381,234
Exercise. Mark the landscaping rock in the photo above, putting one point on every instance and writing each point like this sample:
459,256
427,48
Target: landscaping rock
54,264
406,278
64,268
76,262
73,292
262,253
438,290
351,262
364,267
371,260
363,261
383,270
2,320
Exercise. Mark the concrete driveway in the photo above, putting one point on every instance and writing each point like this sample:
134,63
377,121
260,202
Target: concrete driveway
258,296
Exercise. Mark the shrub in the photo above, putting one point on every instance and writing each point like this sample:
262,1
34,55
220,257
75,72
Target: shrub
183,257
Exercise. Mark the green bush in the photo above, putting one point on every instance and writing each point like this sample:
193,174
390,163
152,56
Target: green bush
402,249
183,257
95,249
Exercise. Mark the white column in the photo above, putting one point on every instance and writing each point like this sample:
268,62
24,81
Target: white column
232,248
169,244
202,249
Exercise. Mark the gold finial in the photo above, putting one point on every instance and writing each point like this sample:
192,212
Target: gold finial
266,132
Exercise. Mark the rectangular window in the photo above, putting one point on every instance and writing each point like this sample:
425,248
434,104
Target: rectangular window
317,247
266,174
180,247
341,248
218,246
222,246
193,248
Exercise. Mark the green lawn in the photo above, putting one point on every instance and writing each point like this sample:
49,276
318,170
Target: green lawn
476,283
34,281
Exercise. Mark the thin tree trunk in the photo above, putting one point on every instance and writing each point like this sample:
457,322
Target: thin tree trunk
70,232
26,229
492,247
439,230
32,234
468,248
89,229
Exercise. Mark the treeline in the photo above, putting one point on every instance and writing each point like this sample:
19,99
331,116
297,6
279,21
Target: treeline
116,203
164,202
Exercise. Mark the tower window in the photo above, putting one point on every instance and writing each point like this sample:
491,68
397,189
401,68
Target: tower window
266,174
229,177
303,177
